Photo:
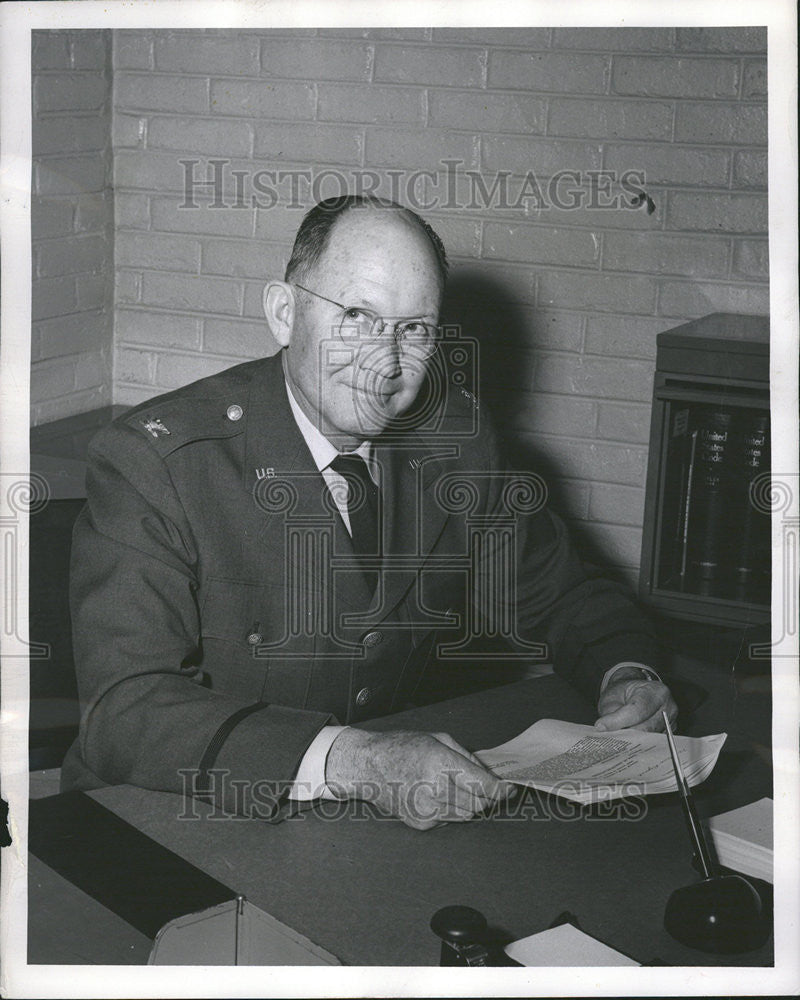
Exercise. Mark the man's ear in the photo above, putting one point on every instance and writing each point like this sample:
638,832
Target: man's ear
279,308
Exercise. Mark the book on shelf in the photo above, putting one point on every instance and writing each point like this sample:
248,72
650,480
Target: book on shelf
715,540
749,526
706,527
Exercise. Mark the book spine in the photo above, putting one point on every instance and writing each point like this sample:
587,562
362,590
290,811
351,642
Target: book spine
687,507
748,528
707,527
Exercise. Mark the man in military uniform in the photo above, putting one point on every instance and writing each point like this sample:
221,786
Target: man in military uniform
281,550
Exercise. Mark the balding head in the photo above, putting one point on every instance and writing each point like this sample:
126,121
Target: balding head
364,265
317,226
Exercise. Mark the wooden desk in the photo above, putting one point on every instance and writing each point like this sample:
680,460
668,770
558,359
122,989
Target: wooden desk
365,889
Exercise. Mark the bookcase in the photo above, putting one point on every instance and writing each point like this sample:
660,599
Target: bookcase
706,538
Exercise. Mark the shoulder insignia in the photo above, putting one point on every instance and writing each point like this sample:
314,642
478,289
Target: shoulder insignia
154,426
169,424
213,408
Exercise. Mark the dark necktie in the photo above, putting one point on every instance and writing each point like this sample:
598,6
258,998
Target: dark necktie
363,510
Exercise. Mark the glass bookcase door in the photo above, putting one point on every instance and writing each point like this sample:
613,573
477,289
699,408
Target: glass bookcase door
713,541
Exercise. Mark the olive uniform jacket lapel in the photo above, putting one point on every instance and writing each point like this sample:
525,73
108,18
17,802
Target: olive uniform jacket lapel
289,493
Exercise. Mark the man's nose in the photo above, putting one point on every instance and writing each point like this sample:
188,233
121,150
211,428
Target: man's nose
382,355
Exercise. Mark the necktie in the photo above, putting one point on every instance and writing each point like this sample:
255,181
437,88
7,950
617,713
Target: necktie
363,509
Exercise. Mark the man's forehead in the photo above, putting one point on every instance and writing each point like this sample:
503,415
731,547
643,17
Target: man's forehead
373,251
370,230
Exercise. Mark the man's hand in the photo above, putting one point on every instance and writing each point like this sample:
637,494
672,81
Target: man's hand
633,702
424,779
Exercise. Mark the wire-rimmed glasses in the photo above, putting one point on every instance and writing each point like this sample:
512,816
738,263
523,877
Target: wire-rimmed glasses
413,336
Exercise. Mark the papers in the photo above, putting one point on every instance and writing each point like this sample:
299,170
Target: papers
585,764
743,839
564,945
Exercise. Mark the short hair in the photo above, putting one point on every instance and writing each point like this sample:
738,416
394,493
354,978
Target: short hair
315,230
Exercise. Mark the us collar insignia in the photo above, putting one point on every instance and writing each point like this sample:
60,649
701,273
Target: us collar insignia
154,426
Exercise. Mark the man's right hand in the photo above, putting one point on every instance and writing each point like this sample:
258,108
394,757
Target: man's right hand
424,779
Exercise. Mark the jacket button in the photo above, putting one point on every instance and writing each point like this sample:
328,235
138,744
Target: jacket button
363,697
234,412
373,638
255,638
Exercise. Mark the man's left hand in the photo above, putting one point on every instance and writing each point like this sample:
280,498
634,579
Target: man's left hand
635,703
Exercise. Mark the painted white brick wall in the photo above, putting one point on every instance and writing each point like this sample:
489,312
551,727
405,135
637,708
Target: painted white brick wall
572,298
566,301
71,223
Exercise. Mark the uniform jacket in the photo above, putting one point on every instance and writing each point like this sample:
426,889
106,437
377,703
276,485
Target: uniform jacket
219,618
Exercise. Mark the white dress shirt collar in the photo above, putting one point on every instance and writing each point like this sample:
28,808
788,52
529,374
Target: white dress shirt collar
322,451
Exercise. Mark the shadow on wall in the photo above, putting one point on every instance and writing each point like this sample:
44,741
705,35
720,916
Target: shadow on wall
486,309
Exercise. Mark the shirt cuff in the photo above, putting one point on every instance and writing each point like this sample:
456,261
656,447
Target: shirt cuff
648,671
309,782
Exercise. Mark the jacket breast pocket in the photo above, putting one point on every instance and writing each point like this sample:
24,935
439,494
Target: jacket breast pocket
252,645
241,613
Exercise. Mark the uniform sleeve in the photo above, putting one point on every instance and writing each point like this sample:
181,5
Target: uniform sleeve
589,623
146,716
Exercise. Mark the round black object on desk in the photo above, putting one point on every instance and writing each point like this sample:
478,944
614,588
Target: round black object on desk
460,928
722,914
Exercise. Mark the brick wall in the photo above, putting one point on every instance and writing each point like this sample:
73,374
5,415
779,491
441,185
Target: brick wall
71,222
565,296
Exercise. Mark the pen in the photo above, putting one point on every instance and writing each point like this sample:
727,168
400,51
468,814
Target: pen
689,812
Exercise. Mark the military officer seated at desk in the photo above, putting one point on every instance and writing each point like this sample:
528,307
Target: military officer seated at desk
277,552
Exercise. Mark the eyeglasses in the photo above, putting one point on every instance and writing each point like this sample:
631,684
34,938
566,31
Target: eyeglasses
412,336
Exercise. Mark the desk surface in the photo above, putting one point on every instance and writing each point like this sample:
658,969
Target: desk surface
365,889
